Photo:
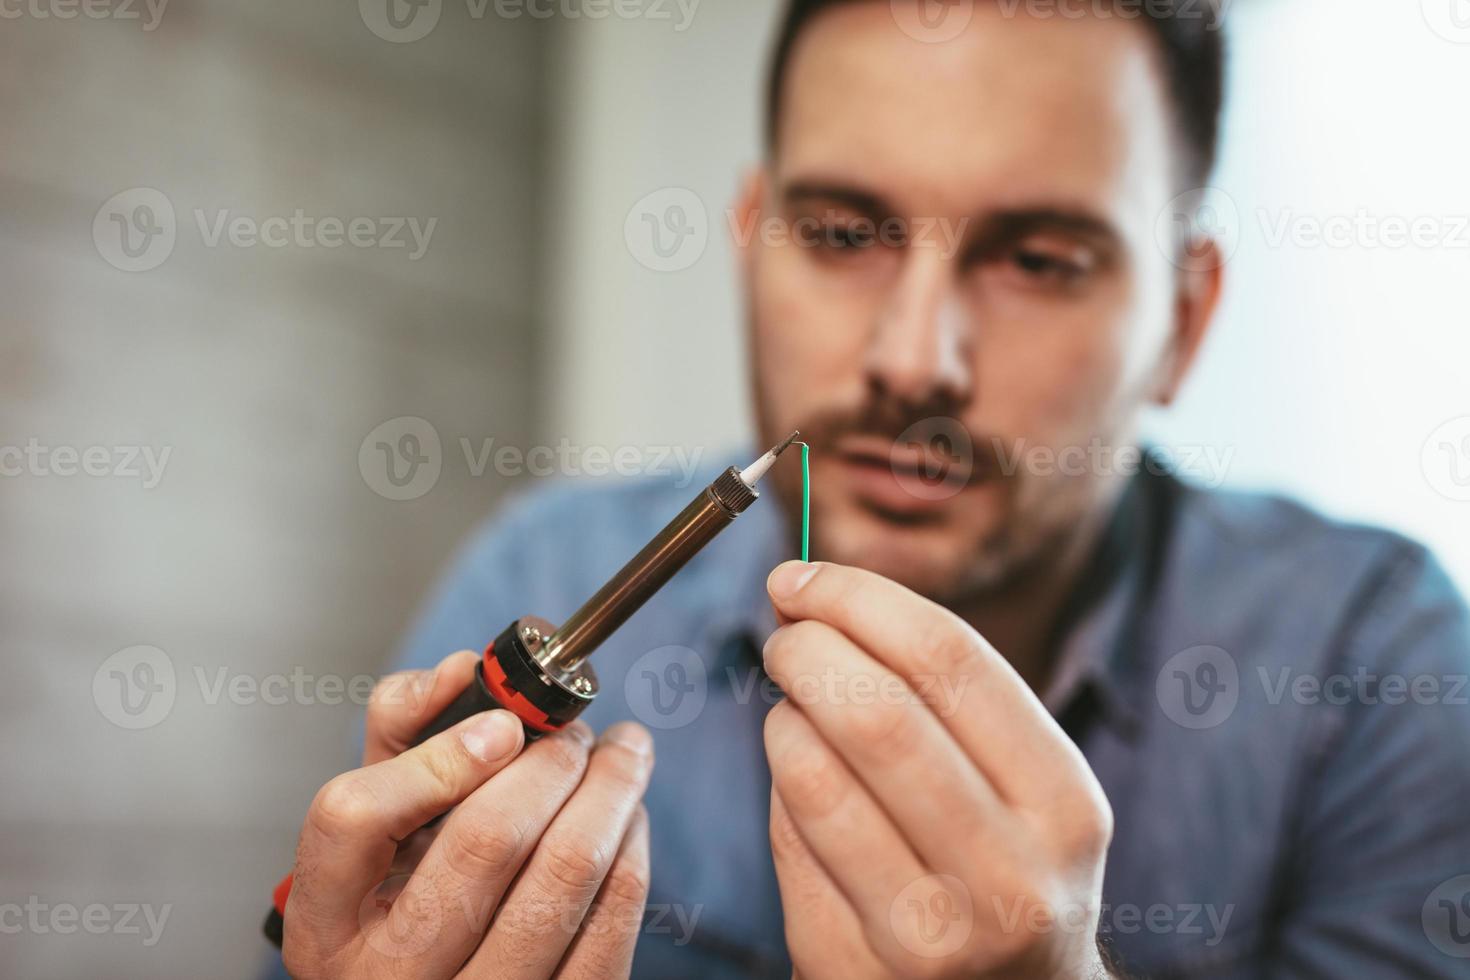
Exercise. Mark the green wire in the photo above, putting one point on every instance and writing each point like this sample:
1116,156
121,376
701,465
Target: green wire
806,503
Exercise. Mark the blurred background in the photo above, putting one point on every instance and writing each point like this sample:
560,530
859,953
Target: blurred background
253,254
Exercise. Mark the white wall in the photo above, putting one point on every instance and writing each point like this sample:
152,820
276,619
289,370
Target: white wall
1328,370
263,550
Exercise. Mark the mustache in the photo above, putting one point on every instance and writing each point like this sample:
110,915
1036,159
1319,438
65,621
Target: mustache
907,426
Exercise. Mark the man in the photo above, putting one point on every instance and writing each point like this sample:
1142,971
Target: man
1042,720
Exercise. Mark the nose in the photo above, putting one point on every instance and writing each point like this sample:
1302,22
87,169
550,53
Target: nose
921,348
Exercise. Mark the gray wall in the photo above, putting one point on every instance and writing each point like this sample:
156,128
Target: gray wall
261,370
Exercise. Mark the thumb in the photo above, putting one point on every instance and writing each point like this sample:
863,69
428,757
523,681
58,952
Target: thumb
403,704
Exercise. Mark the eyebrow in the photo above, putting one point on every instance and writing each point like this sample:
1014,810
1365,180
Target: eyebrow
1000,225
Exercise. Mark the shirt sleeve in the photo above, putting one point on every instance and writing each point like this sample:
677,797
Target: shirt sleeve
1382,834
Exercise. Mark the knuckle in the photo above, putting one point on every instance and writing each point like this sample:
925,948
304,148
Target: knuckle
565,754
627,884
791,656
344,806
886,731
299,961
622,767
951,648
488,845
574,864
388,693
1089,831
809,783
442,769
786,842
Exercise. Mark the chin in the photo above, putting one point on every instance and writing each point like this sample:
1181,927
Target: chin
939,560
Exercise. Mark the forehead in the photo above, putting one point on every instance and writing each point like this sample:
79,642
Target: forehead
1016,107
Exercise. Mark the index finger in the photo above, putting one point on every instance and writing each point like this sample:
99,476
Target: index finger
403,704
994,715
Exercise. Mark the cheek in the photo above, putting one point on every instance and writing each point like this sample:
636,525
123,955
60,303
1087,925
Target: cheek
1057,379
808,337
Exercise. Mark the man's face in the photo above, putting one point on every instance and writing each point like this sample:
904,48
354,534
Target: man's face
955,271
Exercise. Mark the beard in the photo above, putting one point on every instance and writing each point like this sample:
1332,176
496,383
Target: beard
995,529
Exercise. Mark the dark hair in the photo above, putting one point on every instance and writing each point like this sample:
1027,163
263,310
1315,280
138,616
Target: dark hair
1189,35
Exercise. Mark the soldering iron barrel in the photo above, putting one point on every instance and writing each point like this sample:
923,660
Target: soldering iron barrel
709,513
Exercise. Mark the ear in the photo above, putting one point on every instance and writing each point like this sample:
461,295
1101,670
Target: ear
1199,283
746,218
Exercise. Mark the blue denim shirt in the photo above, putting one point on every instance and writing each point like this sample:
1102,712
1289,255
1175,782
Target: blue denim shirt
1274,703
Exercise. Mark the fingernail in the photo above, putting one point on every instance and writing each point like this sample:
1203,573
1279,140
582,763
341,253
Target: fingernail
789,577
491,736
630,736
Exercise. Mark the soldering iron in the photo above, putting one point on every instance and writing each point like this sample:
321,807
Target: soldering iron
539,672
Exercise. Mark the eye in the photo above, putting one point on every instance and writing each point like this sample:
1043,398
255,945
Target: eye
1058,264
1042,264
844,237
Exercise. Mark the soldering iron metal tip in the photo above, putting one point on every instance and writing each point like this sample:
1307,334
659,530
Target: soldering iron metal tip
789,440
